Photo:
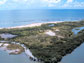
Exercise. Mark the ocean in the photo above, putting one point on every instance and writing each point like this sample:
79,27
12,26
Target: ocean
23,17
11,18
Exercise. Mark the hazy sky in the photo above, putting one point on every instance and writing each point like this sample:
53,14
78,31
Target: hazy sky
41,4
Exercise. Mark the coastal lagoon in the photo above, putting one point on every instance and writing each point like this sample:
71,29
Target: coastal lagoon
21,58
77,56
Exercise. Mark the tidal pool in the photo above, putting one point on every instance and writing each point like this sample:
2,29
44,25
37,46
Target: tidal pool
21,58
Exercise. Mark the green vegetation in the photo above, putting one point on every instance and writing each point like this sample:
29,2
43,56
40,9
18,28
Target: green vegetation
15,46
49,49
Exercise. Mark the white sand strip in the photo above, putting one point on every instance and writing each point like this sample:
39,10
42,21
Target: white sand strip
50,33
32,25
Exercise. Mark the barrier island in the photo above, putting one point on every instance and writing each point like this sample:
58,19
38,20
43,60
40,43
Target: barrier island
48,42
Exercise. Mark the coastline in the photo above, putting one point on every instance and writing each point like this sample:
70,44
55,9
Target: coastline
53,44
31,25
27,51
5,46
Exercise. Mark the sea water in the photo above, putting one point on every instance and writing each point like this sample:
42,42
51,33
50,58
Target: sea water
10,18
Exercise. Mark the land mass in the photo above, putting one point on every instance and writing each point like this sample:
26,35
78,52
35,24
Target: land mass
49,42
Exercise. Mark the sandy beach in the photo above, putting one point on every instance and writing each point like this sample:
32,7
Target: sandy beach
32,25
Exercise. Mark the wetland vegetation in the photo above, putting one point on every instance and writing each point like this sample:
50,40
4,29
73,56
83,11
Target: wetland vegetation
47,48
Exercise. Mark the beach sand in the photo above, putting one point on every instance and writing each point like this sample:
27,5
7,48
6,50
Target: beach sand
31,25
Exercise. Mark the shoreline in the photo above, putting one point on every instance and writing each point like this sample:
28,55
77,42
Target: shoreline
53,45
4,45
32,25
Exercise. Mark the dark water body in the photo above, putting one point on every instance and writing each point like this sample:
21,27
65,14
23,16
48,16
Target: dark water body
22,17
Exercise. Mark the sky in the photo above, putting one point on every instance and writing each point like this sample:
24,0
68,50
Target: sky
41,4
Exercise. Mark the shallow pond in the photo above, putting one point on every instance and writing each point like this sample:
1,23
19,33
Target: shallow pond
7,35
76,30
